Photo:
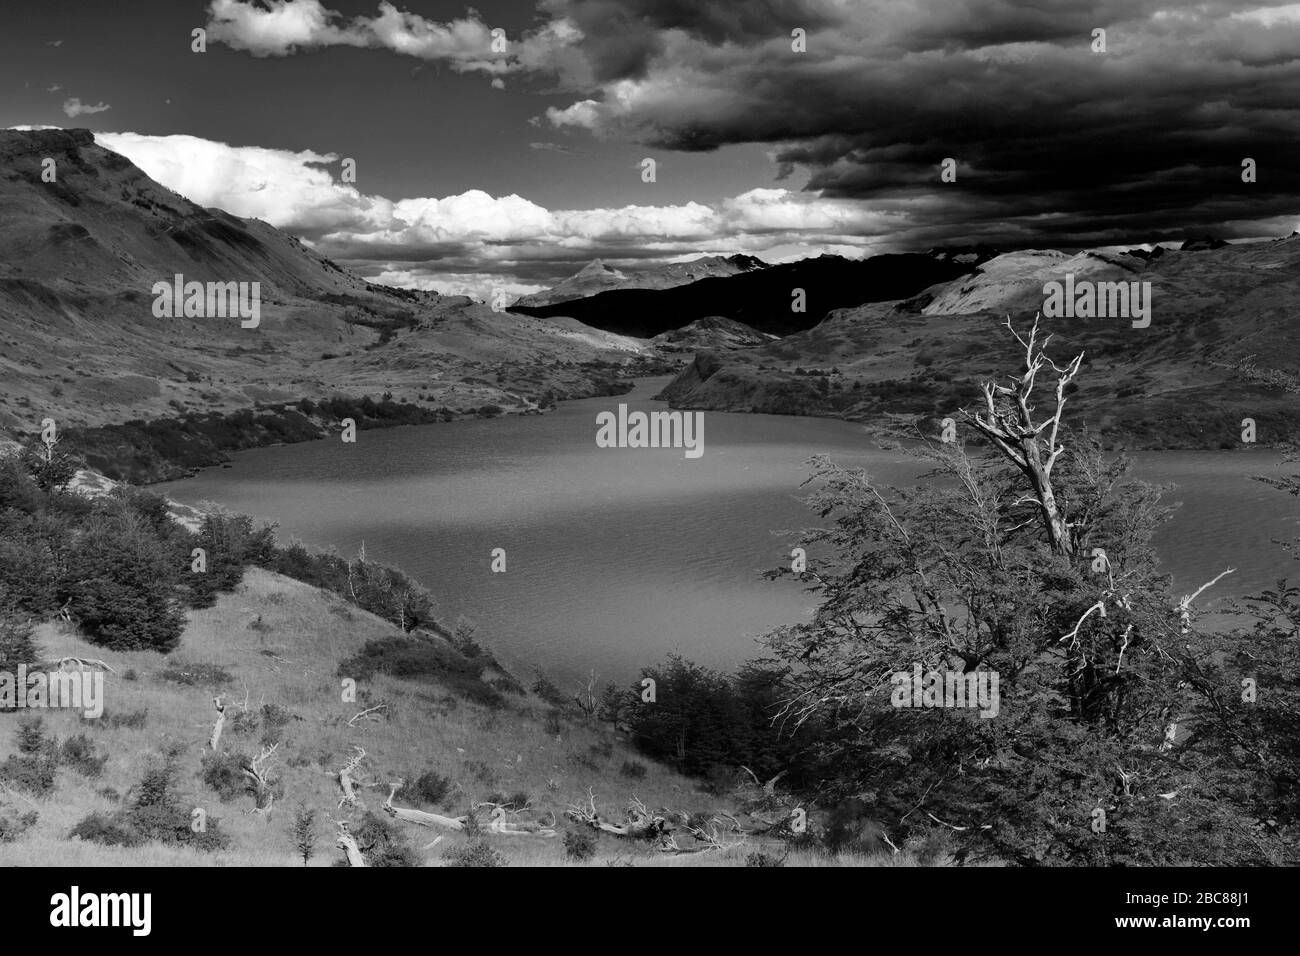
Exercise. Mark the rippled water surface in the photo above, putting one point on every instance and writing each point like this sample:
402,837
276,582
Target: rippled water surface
617,556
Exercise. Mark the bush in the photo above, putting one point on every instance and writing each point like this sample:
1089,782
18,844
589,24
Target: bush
120,587
245,722
429,787
545,688
31,736
579,845
106,829
416,659
78,753
511,801
477,853
34,775
17,645
11,828
155,815
759,858
224,774
382,844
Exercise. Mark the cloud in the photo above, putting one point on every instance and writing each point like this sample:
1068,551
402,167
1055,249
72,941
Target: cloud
73,107
285,27
1054,143
507,241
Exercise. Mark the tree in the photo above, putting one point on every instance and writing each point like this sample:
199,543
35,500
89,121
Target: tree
613,703
17,646
1032,564
121,585
304,832
50,468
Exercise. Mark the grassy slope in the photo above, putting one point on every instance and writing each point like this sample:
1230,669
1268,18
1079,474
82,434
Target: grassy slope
309,632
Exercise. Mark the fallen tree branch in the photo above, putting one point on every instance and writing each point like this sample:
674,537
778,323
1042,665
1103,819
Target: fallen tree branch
370,713
215,739
420,817
346,780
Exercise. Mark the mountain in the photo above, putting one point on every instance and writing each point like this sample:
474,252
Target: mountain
714,333
596,277
764,299
1175,384
79,257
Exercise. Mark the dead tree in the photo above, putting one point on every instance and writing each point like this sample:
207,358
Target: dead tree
348,844
215,740
506,822
348,779
639,823
1008,421
80,663
260,784
420,817
585,697
370,713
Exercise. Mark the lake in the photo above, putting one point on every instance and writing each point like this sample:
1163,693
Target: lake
616,556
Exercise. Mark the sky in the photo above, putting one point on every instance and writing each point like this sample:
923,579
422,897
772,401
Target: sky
778,128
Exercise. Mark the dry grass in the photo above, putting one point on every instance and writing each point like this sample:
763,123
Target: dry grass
291,660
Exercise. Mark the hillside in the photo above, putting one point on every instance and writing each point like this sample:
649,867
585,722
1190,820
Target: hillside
763,299
596,277
277,643
711,333
78,260
1170,385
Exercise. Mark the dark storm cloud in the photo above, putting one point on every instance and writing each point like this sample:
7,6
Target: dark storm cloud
1054,142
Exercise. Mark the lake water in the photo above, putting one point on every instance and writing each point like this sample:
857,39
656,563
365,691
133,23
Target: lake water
615,557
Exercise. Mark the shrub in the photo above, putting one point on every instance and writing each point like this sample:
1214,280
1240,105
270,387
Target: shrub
416,659
511,801
545,688
477,853
106,829
34,775
154,815
31,736
382,844
224,774
429,787
11,828
759,858
245,722
579,845
120,587
16,645
78,753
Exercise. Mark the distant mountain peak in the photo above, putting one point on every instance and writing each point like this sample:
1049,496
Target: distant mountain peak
596,267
